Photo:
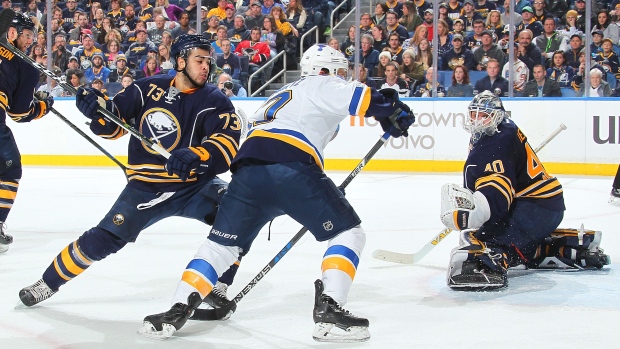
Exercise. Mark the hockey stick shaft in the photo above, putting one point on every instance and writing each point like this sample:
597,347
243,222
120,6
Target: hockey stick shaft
412,258
90,140
561,128
68,87
301,233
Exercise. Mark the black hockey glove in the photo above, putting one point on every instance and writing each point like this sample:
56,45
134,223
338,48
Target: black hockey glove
185,160
402,118
88,100
47,100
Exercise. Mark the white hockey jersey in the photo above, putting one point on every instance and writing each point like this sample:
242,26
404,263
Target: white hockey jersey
520,74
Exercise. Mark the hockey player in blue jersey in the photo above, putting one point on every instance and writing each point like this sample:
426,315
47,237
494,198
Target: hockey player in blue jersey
193,121
279,170
509,208
18,80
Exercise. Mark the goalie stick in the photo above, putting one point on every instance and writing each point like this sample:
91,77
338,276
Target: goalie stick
412,258
6,16
218,313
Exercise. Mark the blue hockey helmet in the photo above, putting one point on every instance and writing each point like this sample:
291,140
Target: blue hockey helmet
183,43
21,22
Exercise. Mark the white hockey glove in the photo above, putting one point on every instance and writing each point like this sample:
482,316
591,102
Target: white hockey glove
462,209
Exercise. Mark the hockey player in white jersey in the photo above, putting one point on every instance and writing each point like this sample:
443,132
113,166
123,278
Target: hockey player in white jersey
279,170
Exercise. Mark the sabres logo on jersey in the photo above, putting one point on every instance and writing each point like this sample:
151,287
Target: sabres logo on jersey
161,127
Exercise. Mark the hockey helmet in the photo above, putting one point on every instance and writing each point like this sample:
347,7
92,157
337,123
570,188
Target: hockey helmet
182,44
485,113
321,56
21,22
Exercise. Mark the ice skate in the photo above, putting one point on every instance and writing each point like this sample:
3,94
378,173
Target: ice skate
162,326
5,239
335,324
474,277
216,306
35,293
614,196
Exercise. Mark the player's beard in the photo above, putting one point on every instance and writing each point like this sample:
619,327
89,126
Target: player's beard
197,79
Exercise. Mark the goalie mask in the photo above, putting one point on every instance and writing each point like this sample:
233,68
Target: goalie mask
485,113
322,58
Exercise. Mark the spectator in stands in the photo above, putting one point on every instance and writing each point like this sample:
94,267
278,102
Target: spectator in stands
540,86
598,87
458,56
379,37
211,31
493,81
164,56
219,11
107,27
258,52
397,6
229,21
239,32
183,27
469,16
85,54
411,71
550,40
57,29
445,38
421,6
348,45
286,28
98,16
236,91
426,90
113,50
127,80
172,11
120,69
221,35
421,33
506,15
228,62
454,9
256,17
483,7
608,59
76,78
98,70
116,13
82,23
363,77
528,52
112,35
570,27
460,83
156,32
474,40
369,56
296,14
392,80
333,43
428,22
272,36
56,90
140,48
597,41
529,23
379,16
521,4
410,18
37,53
151,67
68,14
494,22
443,15
571,54
394,48
366,23
268,5
130,19
391,19
424,55
520,71
146,11
560,71
32,10
60,55
384,58
458,27
166,38
130,37
540,13
610,30
487,51
73,64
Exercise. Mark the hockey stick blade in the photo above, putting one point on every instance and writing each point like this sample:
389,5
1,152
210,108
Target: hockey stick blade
210,313
410,258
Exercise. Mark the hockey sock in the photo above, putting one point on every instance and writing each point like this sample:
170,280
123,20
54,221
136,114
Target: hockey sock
340,263
202,272
229,275
8,191
93,245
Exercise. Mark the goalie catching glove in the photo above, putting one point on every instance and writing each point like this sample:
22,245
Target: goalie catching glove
461,209
402,118
185,160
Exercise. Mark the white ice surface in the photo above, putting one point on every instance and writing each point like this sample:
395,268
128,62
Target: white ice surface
408,306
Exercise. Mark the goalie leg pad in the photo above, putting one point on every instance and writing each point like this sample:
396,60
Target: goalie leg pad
571,249
477,266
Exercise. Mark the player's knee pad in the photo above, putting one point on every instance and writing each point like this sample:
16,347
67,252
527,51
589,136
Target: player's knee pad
97,243
571,248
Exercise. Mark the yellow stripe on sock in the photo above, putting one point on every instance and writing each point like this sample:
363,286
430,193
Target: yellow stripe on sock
198,282
340,264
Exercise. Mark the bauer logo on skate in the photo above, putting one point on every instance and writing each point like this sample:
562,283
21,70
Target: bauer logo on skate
223,235
160,126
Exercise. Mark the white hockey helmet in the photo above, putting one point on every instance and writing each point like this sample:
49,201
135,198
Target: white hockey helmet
485,113
322,56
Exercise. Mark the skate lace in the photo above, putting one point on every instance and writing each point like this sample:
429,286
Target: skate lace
329,300
40,291
220,290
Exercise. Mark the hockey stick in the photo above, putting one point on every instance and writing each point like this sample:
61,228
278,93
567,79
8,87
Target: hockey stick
412,258
7,17
90,140
218,313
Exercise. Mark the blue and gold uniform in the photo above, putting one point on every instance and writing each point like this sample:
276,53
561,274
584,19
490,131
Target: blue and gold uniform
202,120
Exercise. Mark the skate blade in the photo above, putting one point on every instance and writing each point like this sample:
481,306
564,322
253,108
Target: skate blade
476,287
325,332
4,248
21,306
149,331
614,200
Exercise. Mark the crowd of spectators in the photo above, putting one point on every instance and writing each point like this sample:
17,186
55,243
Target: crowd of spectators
110,43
